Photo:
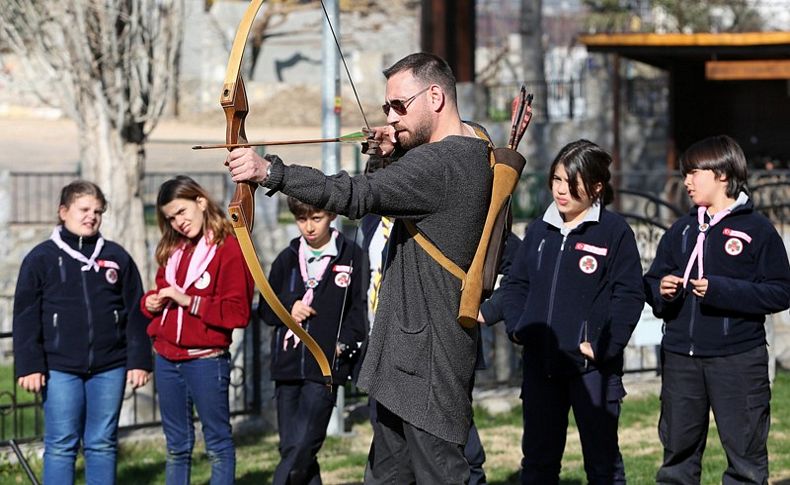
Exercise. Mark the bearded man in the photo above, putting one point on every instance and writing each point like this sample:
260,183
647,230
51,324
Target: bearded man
419,365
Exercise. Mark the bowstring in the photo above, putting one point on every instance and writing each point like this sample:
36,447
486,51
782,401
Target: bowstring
357,229
343,58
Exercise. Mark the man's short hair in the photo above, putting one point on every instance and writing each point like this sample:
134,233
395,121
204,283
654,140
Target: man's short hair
723,156
427,69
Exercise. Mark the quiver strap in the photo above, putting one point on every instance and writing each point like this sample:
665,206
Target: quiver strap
478,282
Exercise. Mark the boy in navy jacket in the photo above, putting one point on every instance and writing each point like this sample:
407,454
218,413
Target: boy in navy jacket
320,278
572,299
717,273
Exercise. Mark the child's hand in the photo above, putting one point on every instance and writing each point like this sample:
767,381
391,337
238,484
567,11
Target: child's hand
480,318
154,303
181,299
586,349
137,377
301,312
700,286
669,285
32,382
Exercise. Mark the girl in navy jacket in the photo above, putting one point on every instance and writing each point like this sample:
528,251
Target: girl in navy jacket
572,300
718,271
79,336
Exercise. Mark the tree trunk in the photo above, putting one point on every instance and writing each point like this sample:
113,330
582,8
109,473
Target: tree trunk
116,165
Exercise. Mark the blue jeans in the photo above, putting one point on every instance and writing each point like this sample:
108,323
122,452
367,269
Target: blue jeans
204,384
82,408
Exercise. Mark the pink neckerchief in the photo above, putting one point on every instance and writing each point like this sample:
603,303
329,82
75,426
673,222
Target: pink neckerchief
88,263
204,253
703,229
309,283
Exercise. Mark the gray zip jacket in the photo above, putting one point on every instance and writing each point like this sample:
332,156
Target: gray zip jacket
420,362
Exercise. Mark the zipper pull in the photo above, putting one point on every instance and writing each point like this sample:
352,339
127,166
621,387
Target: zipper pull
80,244
562,246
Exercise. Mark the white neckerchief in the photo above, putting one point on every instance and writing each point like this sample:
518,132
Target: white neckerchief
88,263
201,257
696,253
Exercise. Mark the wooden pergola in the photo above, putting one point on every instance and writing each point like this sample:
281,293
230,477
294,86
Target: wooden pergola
734,83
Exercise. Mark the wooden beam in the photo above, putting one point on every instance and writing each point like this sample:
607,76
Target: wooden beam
448,30
741,39
747,70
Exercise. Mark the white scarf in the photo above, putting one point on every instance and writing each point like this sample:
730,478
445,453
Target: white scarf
88,263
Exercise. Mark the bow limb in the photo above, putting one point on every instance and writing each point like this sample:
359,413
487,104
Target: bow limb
240,209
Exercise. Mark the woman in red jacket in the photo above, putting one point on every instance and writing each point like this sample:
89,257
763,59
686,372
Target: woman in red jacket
203,291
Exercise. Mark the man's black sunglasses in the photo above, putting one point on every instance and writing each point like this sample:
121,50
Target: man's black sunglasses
400,105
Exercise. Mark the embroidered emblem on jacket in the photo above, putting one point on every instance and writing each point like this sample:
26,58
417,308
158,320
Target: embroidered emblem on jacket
733,246
588,264
111,276
342,279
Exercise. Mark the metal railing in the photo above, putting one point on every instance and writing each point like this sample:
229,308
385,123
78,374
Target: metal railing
35,196
558,100
22,418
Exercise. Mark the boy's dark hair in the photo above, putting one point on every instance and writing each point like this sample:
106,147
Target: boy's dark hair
427,69
723,156
590,163
78,188
302,209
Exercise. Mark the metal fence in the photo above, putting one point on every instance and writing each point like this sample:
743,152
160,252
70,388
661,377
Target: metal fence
21,416
36,195
554,100
565,100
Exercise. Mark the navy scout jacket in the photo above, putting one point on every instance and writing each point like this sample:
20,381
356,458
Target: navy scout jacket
565,289
746,265
82,322
286,280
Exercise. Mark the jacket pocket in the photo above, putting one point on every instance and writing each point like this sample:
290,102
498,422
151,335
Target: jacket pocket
119,318
56,331
583,335
413,352
62,269
757,420
540,252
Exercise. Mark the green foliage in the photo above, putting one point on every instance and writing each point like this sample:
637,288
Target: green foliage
676,16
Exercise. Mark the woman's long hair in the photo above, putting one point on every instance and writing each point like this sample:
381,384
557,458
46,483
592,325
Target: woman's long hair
214,221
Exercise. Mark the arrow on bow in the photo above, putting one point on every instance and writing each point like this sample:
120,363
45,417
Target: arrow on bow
356,137
241,207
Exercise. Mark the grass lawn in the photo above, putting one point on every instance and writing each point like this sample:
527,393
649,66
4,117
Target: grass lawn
343,459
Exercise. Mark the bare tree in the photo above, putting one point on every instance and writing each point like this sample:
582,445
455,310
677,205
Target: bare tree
109,65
